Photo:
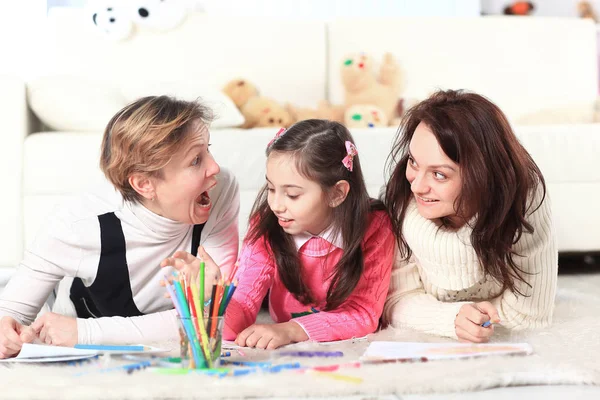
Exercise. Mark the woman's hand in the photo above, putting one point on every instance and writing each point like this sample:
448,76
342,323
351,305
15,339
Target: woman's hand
271,336
12,337
189,265
56,329
470,318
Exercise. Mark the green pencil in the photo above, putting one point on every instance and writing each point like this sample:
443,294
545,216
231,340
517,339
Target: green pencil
201,289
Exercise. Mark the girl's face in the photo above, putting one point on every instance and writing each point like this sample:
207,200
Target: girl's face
181,194
299,203
435,179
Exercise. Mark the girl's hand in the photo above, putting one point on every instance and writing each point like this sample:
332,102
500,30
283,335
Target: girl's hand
470,318
189,265
56,329
12,337
271,336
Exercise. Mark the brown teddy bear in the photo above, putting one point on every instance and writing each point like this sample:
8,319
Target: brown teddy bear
262,111
240,91
363,87
258,111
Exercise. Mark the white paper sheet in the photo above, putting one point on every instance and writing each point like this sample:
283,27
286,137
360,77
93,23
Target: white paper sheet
45,353
410,351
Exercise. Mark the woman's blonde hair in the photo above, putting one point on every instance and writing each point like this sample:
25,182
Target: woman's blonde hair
144,136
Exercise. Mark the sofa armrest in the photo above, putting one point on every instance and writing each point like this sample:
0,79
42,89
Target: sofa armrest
15,127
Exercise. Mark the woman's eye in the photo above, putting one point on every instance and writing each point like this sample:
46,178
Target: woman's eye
270,189
196,161
439,176
411,161
292,197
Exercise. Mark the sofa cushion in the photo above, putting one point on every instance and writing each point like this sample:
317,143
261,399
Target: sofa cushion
70,103
227,114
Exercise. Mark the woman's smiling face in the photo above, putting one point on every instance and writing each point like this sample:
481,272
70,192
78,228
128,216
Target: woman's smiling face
434,178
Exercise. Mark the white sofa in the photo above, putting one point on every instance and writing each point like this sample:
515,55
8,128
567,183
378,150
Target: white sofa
528,66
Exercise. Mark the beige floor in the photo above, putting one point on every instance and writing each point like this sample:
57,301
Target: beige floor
584,281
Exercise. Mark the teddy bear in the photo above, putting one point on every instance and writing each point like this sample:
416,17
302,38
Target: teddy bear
365,116
362,87
240,90
258,111
111,19
585,10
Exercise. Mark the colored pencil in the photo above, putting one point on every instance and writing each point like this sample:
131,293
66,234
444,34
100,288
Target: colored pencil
106,347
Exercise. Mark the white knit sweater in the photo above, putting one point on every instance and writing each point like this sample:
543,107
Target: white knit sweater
444,273
68,245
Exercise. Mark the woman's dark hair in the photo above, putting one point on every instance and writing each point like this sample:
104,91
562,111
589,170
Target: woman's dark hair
318,148
498,176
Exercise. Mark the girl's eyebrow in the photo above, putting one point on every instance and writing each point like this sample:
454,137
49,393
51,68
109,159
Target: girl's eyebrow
285,186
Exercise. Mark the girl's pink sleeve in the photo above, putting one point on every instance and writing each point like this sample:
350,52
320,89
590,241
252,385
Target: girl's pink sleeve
255,276
359,314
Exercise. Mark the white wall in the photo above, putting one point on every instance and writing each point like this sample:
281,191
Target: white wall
20,23
327,9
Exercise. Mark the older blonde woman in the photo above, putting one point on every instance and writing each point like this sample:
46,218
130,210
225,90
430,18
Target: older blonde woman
172,196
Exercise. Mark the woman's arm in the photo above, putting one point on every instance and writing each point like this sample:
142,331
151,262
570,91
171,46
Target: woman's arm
147,329
409,306
53,254
537,257
255,274
359,314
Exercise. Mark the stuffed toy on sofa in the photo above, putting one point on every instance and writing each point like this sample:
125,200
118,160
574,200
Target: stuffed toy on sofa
258,111
363,87
365,116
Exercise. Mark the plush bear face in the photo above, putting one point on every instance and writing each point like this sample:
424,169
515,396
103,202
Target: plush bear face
159,15
274,117
111,19
240,91
365,116
357,68
265,112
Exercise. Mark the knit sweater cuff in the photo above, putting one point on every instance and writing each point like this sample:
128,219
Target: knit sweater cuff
315,328
446,320
88,331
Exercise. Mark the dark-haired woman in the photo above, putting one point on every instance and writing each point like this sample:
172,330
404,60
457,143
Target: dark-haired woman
473,221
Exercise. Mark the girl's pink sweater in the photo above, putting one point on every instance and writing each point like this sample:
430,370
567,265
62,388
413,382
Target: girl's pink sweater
357,316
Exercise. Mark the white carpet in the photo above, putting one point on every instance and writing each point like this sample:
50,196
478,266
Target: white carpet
567,353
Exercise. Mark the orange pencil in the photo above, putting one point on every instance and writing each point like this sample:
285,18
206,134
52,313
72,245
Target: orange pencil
217,303
235,268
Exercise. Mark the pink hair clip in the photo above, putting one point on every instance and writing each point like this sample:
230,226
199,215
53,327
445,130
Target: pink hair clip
279,133
348,161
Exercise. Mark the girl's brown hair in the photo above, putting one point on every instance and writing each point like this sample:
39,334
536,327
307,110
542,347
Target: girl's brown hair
498,176
318,148
144,136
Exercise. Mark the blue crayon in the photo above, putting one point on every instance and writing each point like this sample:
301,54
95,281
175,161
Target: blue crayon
311,353
486,324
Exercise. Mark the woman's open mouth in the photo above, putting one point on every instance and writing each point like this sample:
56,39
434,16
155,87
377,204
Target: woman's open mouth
204,200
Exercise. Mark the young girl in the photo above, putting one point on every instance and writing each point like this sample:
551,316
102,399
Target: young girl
473,221
317,242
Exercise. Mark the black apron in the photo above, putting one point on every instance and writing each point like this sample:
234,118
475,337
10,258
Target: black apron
110,294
